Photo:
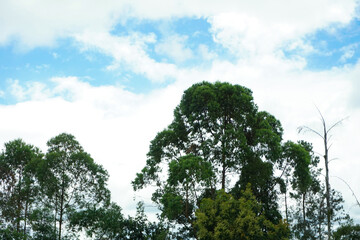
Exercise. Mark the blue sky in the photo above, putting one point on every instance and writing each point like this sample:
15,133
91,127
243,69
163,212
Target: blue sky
334,46
112,72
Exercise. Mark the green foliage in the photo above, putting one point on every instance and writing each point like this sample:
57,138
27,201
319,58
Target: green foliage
12,234
140,228
18,190
347,232
100,223
299,159
229,218
42,220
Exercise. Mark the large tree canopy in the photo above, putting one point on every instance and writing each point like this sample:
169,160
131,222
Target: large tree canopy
216,127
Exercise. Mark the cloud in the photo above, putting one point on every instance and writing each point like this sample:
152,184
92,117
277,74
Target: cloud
348,52
175,48
38,23
128,53
31,90
263,30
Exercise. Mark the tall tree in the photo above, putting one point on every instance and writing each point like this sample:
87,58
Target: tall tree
18,188
297,161
325,136
220,124
72,180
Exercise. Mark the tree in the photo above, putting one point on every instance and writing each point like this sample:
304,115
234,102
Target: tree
308,216
295,169
18,186
221,126
71,180
229,218
325,137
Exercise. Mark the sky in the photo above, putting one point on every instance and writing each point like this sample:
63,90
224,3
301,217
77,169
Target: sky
111,73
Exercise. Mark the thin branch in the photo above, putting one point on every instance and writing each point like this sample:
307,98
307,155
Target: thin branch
357,201
307,129
337,123
333,159
322,117
329,146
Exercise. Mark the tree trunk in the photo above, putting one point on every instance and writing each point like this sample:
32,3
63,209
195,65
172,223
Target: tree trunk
18,213
25,215
286,209
327,184
304,211
60,218
61,208
55,214
223,176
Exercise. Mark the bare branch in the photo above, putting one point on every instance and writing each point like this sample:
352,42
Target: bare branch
333,159
307,129
337,123
329,146
322,117
357,201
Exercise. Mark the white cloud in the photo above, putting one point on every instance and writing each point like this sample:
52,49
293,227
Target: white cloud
128,53
32,90
348,52
206,53
39,23
263,30
175,48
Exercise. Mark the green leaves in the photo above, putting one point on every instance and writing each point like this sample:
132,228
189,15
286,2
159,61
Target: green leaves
190,169
18,189
229,218
300,159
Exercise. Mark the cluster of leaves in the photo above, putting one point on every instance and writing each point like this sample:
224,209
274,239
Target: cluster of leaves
226,217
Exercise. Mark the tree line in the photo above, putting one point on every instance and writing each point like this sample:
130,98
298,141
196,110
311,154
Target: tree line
221,170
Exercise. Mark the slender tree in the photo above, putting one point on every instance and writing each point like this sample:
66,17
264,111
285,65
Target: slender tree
18,188
295,170
325,136
72,180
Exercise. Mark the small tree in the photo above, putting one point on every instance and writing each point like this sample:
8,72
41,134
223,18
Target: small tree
226,218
